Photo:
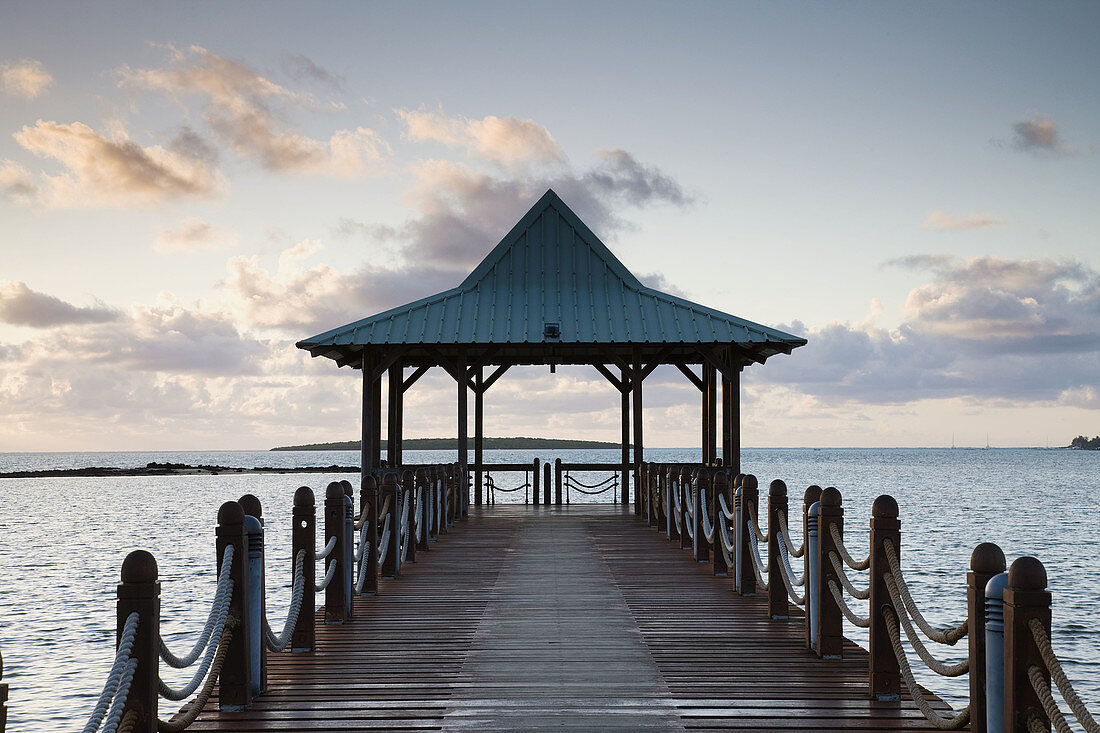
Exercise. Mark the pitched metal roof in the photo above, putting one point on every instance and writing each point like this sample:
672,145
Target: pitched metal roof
550,268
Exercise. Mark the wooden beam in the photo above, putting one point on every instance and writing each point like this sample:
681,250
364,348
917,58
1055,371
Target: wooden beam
394,414
639,455
411,379
710,409
479,432
686,371
727,422
497,374
619,384
625,391
366,462
463,442
657,361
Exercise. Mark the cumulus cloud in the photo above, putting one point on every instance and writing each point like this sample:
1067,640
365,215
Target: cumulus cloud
985,328
1039,135
193,235
16,182
247,111
21,306
509,142
944,221
109,171
25,78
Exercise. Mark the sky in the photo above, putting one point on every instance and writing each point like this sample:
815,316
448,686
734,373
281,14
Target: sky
188,189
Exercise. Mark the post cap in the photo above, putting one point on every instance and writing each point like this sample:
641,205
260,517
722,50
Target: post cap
390,479
1027,573
738,480
304,496
348,490
140,567
830,496
251,505
813,493
885,506
721,481
334,491
777,488
750,482
406,475
370,482
987,558
421,474
230,513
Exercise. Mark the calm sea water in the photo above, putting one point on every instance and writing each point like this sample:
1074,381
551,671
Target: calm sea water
62,542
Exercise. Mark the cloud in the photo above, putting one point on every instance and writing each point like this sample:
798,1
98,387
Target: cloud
115,171
957,222
16,182
248,113
21,306
25,78
193,235
1039,135
303,68
986,328
511,142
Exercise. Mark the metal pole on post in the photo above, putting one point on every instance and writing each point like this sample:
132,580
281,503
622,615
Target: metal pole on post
347,559
702,509
721,488
235,681
670,485
557,484
304,537
683,488
1025,598
420,479
750,497
391,495
257,571
139,592
810,541
777,589
335,601
986,561
830,637
883,671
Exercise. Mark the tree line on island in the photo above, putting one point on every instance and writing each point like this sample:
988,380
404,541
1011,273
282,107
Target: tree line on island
452,444
1083,443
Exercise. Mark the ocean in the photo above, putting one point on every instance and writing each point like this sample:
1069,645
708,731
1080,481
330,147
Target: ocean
62,542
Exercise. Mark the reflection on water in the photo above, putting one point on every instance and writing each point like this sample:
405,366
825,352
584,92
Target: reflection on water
63,541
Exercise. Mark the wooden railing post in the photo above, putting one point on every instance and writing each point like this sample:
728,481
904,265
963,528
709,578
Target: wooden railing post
3,698
809,557
391,568
336,591
777,589
235,681
304,537
257,569
557,484
408,488
683,489
423,489
884,674
139,591
830,637
669,478
535,471
721,488
1026,597
986,561
749,506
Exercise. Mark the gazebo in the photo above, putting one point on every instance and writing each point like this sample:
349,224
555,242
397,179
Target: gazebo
550,293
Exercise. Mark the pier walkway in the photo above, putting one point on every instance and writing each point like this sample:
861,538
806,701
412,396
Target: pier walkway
572,618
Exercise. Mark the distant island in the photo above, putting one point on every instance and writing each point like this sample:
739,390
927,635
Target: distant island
452,444
1083,443
173,469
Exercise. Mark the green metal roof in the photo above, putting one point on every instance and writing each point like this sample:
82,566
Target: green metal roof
551,268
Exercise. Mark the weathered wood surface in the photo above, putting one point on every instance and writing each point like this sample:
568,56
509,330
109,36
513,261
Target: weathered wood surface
574,618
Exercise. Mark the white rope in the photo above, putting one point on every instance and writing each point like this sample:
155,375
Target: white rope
211,649
1035,721
110,689
795,580
362,542
788,577
384,543
328,577
753,523
727,541
1065,687
221,598
948,635
278,643
941,668
801,550
361,578
725,508
689,528
708,528
862,622
419,511
852,590
952,721
851,561
758,566
118,705
329,547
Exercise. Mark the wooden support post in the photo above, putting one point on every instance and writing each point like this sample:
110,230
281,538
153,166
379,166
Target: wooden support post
252,508
721,488
710,413
986,561
557,484
535,470
625,395
304,537
545,478
408,488
1026,597
391,566
809,556
423,493
335,598
883,672
4,701
683,488
366,435
376,420
749,505
733,461
138,592
639,452
235,681
830,637
727,426
777,589
463,486
394,416
704,416
479,434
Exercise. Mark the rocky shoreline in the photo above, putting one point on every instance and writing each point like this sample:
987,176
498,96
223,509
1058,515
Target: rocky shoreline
173,469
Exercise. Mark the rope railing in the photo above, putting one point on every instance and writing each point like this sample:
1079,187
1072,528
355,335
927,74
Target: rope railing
949,635
121,670
845,581
330,573
279,643
785,533
190,712
328,548
217,611
952,721
1065,687
850,561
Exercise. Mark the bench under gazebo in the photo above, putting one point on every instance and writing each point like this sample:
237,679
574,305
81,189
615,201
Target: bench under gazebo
552,294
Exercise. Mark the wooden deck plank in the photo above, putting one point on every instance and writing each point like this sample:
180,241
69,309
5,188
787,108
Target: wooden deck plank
577,618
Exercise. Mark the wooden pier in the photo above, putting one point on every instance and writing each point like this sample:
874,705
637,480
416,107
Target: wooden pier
574,618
